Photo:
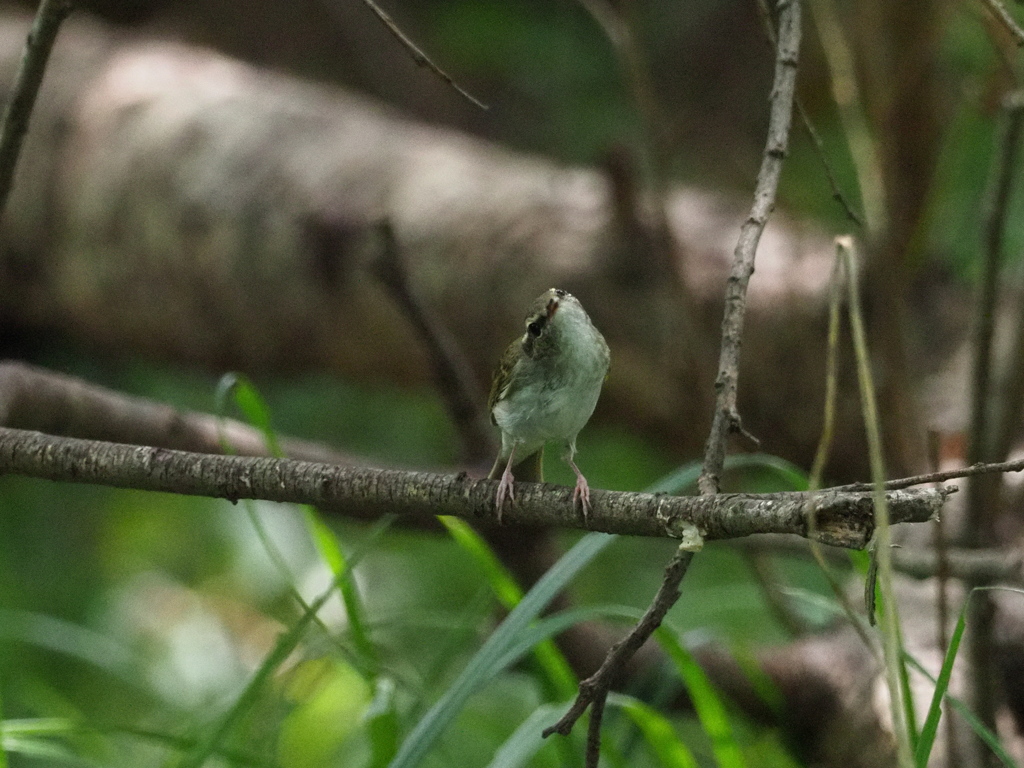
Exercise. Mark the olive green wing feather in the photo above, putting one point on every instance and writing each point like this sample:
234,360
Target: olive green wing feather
502,381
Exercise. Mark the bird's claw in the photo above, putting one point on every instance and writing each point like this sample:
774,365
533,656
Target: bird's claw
505,491
581,493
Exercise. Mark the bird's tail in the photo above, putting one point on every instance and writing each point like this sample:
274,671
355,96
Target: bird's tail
529,470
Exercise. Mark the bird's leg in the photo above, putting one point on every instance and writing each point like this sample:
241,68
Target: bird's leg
505,486
582,490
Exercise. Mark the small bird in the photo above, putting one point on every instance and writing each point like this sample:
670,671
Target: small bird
545,389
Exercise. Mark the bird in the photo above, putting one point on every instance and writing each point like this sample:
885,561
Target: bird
545,389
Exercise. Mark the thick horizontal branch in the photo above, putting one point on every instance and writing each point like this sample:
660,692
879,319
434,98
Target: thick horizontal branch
842,519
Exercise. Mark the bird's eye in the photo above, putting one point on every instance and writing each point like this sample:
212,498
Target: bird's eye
534,328
559,293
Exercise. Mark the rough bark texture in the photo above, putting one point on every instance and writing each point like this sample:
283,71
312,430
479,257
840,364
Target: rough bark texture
841,519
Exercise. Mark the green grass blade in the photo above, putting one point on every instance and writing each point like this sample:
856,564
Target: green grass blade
706,702
551,626
657,731
381,721
931,723
685,477
330,550
678,480
252,405
484,664
3,750
526,741
793,477
979,728
285,645
557,672
257,413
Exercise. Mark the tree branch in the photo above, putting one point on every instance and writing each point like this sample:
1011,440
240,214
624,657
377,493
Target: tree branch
41,37
842,519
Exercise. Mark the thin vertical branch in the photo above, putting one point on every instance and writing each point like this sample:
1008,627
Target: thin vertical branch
418,56
812,132
726,418
14,124
594,690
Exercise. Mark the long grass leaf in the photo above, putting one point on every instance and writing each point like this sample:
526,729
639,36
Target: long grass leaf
3,750
556,669
484,664
556,624
931,723
657,731
286,643
685,477
257,413
972,720
706,702
525,742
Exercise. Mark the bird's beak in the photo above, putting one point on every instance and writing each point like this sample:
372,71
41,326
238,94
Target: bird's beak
552,308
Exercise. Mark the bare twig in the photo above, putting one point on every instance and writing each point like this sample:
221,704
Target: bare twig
812,132
726,418
418,56
594,690
844,519
1003,16
997,467
14,125
452,374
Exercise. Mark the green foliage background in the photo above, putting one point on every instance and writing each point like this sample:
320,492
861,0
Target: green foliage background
137,619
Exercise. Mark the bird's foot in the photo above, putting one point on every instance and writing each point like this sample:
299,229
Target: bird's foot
581,493
505,491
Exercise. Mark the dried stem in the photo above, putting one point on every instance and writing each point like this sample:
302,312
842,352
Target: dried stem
452,373
14,125
418,56
1003,16
891,643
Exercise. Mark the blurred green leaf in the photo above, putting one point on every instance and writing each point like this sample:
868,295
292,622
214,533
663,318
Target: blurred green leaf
484,664
931,723
556,669
709,707
657,731
526,741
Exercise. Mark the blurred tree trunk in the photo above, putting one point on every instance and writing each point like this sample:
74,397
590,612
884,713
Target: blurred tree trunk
175,203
